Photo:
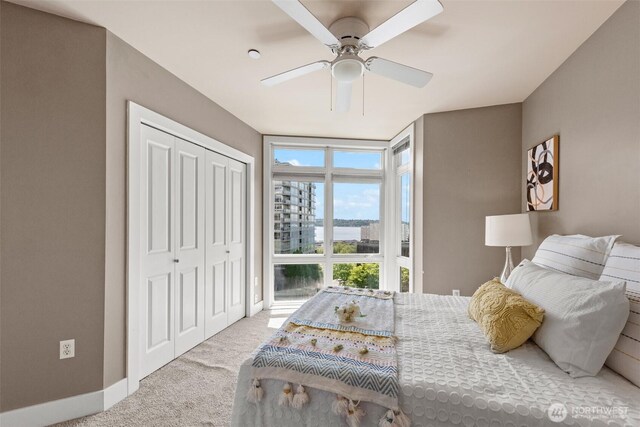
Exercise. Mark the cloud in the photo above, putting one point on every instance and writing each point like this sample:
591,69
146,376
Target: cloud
294,162
357,201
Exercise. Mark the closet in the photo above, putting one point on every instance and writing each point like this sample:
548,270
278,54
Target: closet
193,250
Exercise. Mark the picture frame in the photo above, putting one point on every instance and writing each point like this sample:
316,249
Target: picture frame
542,176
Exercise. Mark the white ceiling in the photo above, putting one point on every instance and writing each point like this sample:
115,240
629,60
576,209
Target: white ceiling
480,52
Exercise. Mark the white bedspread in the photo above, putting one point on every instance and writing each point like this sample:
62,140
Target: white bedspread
449,377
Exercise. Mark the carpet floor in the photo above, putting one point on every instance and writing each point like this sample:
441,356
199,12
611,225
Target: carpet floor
196,389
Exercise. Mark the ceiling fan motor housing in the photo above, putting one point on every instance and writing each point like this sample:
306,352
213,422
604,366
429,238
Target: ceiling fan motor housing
348,66
349,30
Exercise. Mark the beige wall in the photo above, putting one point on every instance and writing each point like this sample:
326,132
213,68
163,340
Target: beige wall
52,206
132,76
470,169
593,102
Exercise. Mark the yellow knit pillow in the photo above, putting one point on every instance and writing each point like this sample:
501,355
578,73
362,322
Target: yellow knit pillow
504,316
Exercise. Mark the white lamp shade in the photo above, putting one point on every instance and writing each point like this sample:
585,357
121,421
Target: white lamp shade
508,230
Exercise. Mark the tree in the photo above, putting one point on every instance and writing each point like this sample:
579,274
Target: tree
344,248
341,273
365,276
404,279
303,273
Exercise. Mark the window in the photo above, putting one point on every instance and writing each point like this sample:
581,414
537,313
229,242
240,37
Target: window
298,157
405,214
298,230
402,212
404,279
297,281
356,218
327,208
357,160
358,275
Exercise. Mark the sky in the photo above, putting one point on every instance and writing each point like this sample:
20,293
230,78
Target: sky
342,159
350,201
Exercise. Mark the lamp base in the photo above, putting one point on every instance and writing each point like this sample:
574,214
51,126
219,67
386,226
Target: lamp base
508,266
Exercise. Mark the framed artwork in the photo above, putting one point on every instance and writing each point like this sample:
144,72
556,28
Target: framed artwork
542,176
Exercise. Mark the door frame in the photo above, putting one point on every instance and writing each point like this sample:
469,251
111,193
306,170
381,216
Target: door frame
137,116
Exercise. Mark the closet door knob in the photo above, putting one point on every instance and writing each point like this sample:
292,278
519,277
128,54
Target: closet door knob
176,260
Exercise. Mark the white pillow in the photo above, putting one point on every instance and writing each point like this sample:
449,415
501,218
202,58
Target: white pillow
624,264
578,255
583,318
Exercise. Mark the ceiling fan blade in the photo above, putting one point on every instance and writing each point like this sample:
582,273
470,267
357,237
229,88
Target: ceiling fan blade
343,96
412,15
302,16
402,73
296,72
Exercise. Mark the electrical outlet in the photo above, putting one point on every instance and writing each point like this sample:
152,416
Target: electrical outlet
67,349
456,292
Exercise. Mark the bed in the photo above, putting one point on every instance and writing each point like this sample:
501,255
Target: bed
449,377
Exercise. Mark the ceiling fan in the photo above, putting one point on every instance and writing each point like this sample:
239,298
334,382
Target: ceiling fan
348,37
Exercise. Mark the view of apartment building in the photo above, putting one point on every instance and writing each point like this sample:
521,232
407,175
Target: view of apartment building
294,217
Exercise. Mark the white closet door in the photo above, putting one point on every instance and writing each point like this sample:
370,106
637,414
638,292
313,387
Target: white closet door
192,283
236,231
157,251
216,266
189,245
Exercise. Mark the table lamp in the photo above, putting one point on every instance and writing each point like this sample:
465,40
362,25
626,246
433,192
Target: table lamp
508,231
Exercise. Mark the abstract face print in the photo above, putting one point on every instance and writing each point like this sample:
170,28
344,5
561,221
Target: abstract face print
542,176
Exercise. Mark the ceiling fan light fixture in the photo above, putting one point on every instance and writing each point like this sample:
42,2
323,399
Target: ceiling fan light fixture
347,70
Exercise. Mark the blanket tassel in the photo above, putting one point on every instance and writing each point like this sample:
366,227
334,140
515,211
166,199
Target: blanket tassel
354,414
286,397
340,405
255,392
402,420
301,398
394,419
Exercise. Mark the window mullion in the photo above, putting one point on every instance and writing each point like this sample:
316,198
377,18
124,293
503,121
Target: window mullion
328,217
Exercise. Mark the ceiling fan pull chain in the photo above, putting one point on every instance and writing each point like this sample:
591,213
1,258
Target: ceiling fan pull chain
330,91
362,95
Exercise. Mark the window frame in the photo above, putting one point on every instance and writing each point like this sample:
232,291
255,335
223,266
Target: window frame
395,261
328,175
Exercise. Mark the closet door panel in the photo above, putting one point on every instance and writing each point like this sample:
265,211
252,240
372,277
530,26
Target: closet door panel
236,234
217,269
156,284
218,274
190,245
158,307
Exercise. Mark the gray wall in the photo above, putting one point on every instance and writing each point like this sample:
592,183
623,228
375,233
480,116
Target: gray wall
132,76
471,169
52,171
593,102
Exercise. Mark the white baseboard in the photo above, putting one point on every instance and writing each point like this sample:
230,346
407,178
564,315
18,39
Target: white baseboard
114,394
255,309
69,408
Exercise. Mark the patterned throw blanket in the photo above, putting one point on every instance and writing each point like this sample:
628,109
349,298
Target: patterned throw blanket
356,360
